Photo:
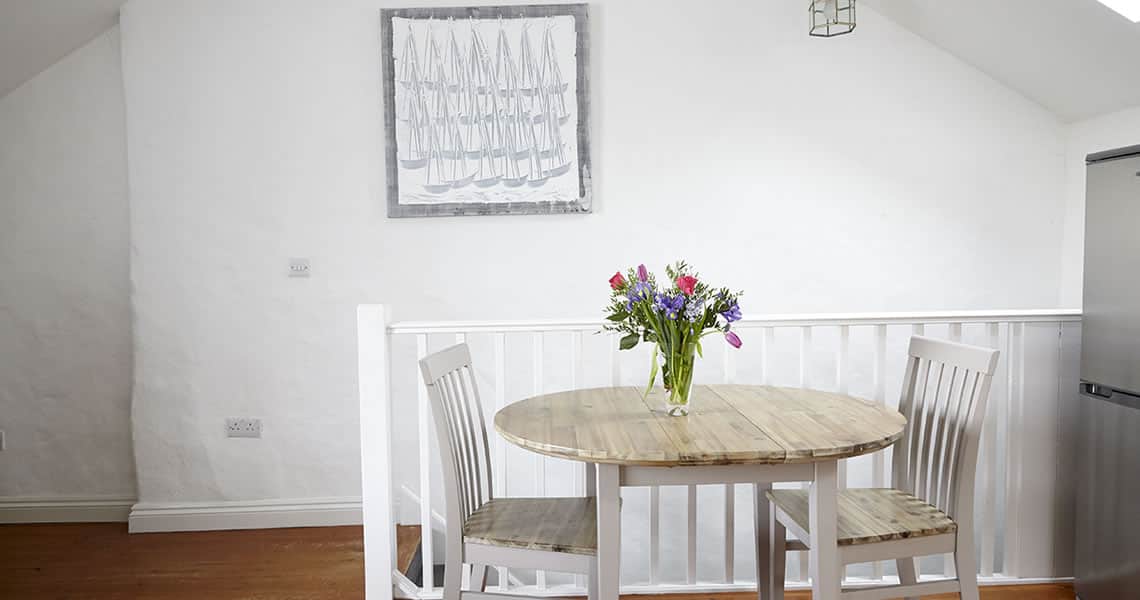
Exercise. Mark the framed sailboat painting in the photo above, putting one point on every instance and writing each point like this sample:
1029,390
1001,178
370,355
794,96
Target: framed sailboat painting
487,110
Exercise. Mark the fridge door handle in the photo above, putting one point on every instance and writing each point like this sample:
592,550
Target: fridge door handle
1092,389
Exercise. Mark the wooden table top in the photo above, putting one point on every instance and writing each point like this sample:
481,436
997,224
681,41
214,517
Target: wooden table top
727,424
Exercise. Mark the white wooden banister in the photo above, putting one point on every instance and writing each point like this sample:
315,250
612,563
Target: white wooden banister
376,451
861,349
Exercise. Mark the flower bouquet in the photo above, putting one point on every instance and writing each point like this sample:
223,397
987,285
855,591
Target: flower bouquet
673,317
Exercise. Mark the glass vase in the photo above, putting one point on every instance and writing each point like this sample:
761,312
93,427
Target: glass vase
677,377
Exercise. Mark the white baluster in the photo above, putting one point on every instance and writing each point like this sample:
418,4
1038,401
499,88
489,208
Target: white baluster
579,467
426,551
767,342
989,468
729,376
1015,376
691,533
805,382
878,459
538,352
948,559
654,535
500,352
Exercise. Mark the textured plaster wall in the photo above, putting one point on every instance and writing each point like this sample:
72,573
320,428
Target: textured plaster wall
870,172
65,341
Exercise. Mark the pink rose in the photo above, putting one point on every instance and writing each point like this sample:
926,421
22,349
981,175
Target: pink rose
617,281
687,283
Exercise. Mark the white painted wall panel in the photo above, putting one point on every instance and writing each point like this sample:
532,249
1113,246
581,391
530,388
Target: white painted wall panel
65,336
870,172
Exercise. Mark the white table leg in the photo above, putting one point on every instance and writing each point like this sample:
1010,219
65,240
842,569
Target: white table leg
763,543
609,531
826,577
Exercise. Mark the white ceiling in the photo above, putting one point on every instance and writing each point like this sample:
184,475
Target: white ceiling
1077,58
35,34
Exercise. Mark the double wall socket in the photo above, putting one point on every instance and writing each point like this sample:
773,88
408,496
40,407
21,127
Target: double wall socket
243,427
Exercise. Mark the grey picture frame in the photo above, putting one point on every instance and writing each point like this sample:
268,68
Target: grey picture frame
582,204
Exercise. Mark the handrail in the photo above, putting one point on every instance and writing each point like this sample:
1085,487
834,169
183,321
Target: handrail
776,320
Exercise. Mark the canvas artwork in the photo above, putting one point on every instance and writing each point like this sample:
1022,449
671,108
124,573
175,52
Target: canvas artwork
486,110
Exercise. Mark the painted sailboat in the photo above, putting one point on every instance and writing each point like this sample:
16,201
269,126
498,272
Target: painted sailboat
472,117
413,151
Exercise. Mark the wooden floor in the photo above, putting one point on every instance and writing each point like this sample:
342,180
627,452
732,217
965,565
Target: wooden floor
76,562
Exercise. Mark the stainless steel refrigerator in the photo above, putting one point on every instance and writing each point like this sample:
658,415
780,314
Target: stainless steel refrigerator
1107,561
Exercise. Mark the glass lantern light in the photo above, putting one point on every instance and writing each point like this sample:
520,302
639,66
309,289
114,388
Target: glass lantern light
830,18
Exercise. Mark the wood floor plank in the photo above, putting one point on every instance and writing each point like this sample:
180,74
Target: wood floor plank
102,562
97,561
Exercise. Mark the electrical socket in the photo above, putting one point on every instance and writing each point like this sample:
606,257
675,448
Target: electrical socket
243,427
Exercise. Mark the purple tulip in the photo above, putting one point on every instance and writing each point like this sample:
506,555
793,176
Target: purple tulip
733,339
642,273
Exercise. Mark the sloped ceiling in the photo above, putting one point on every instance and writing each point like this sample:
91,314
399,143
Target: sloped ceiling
35,34
1077,58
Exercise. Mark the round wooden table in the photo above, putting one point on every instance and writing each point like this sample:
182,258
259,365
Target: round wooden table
733,434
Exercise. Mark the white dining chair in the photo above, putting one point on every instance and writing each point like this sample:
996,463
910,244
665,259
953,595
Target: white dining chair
930,510
556,534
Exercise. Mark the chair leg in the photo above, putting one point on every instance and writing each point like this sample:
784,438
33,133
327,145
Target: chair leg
592,581
778,543
907,574
478,578
967,570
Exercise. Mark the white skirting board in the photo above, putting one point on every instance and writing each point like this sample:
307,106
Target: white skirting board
64,509
149,517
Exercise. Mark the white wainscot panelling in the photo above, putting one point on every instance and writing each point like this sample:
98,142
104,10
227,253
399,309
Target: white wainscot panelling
699,538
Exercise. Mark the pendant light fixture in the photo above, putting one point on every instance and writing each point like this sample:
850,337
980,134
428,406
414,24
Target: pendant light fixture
830,18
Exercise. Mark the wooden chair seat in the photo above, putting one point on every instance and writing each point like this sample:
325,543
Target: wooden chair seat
868,516
566,525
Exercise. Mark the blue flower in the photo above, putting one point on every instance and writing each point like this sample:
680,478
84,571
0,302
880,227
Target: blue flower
669,305
732,315
695,310
640,291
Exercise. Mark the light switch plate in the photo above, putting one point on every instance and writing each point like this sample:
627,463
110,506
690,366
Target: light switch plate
299,267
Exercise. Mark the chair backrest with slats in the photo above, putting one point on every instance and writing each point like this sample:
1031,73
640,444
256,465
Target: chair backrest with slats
944,400
460,431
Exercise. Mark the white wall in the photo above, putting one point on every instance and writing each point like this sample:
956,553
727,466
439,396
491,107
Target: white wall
870,172
1106,132
65,342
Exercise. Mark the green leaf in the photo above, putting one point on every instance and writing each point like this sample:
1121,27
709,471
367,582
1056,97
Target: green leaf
629,341
621,316
700,352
